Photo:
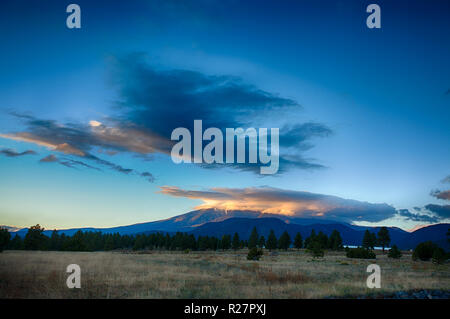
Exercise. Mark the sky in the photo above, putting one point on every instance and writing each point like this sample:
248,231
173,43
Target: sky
87,114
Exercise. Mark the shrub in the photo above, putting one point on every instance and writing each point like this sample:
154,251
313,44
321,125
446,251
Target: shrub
254,254
439,256
424,251
360,253
315,249
4,238
394,252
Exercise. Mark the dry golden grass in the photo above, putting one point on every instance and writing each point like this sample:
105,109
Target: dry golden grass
293,274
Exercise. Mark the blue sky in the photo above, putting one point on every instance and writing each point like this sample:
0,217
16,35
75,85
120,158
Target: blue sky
378,99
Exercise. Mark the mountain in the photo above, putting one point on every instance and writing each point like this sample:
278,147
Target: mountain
185,222
11,229
351,234
215,222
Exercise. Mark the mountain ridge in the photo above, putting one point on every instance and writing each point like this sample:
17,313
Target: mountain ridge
216,222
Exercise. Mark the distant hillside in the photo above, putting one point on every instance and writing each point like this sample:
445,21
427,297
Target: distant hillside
185,222
215,222
351,235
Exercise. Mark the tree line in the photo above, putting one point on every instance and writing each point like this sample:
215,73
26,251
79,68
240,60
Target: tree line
315,243
35,239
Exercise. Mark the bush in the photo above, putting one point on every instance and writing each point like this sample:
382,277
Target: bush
424,251
394,252
439,256
360,253
254,254
4,238
315,249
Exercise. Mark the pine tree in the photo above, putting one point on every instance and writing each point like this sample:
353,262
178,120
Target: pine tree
369,240
109,242
322,239
383,237
298,241
4,238
262,242
236,243
335,241
271,241
35,239
226,242
253,239
285,241
309,240
16,243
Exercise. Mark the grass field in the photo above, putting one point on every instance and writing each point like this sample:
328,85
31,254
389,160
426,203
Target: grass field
155,274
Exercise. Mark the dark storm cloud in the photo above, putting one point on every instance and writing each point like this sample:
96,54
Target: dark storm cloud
417,217
11,153
162,100
159,101
442,211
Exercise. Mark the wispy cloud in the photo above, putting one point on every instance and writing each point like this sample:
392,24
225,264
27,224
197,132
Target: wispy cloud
446,179
74,140
66,162
12,153
445,195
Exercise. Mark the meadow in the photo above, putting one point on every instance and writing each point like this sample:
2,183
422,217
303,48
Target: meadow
220,274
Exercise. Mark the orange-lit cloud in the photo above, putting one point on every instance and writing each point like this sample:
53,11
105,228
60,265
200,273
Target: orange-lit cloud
30,138
285,202
445,195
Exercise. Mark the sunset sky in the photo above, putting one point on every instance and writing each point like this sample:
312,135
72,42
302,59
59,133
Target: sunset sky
86,114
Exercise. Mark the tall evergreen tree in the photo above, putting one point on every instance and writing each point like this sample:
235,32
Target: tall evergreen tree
383,237
272,241
35,239
226,242
262,242
298,241
309,240
335,241
5,236
285,241
253,239
322,239
54,241
16,243
369,240
236,243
